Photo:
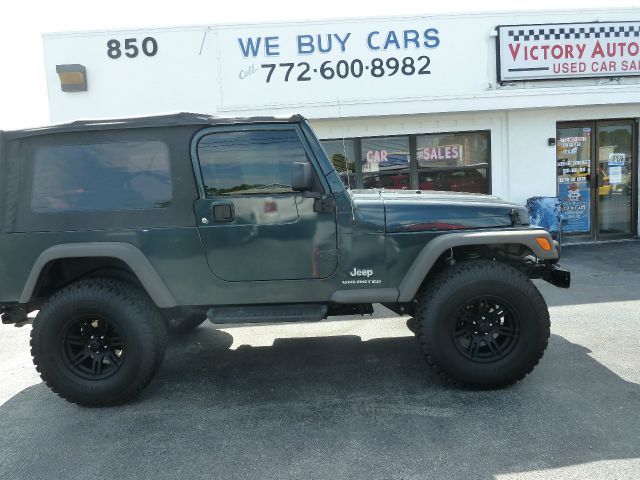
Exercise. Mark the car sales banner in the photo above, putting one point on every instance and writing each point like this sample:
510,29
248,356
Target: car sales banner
564,50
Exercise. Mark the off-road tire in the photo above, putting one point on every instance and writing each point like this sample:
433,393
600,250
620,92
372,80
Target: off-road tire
442,312
130,313
182,325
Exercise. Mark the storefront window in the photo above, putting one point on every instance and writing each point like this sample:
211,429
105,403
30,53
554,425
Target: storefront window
447,161
385,162
453,161
342,154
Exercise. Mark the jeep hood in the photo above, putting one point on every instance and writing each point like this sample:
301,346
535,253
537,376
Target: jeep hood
409,211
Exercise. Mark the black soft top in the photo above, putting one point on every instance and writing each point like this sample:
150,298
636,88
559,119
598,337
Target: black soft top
147,121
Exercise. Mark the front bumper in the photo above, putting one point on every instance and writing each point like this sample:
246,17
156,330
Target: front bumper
557,276
551,273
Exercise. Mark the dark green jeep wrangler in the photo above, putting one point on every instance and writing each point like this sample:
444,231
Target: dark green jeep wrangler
117,231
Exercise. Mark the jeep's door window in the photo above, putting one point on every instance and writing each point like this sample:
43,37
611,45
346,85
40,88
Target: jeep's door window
453,161
124,175
385,162
249,162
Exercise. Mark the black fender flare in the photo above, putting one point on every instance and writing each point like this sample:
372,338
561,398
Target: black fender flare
435,248
127,253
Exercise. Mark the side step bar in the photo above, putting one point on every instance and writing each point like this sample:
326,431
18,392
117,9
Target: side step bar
267,313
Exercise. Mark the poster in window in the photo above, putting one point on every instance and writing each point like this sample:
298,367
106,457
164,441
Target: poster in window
576,206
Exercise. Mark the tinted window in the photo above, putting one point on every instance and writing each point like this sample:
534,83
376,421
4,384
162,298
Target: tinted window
101,177
251,162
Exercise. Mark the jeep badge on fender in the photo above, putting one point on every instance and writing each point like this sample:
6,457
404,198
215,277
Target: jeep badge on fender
360,273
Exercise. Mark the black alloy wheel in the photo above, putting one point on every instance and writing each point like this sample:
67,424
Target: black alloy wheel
92,347
486,329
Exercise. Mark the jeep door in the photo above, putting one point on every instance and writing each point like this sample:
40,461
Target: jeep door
252,225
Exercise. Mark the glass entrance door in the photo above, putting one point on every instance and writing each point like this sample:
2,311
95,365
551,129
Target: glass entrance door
596,178
615,180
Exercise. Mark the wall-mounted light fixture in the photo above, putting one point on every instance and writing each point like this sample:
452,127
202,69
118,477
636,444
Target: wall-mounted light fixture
73,77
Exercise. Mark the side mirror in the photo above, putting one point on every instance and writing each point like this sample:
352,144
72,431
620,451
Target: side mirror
301,177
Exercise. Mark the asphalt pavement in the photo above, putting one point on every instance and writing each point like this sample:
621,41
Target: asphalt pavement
353,399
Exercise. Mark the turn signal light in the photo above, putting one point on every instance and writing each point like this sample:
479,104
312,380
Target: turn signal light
544,243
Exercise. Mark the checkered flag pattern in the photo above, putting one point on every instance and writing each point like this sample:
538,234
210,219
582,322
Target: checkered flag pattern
565,33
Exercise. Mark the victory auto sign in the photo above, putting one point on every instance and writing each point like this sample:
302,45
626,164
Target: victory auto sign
539,52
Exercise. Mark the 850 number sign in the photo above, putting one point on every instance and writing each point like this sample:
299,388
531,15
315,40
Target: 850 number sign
149,47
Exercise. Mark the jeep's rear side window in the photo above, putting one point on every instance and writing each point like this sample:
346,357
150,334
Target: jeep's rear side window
249,162
121,175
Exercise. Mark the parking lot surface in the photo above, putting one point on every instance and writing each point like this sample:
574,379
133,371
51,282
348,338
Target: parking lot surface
353,399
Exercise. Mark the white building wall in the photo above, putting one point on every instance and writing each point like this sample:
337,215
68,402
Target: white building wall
183,81
204,69
532,162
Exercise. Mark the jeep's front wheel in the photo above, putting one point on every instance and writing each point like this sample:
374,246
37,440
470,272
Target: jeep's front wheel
482,324
98,342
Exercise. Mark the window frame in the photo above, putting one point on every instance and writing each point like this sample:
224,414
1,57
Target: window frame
197,168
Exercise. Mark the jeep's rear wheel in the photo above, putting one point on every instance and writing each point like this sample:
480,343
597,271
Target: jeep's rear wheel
482,324
98,342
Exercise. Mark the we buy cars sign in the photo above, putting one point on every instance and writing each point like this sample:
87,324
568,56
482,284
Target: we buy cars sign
564,50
